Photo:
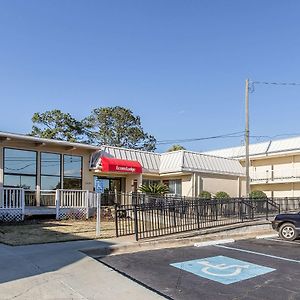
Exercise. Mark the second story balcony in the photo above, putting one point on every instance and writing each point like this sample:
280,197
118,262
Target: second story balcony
275,176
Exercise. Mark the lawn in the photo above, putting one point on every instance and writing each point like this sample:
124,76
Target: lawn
49,231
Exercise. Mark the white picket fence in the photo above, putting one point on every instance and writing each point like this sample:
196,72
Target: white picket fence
12,204
77,204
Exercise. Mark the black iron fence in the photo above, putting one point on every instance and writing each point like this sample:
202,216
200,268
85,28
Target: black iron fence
163,216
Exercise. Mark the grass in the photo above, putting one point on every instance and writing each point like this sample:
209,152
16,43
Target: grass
49,231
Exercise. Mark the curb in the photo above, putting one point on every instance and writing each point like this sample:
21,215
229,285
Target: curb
265,236
215,234
212,243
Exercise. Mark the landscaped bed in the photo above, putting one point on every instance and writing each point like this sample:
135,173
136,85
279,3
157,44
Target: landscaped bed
49,231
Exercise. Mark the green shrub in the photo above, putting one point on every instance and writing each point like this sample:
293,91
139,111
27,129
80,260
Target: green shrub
205,195
258,195
222,195
155,189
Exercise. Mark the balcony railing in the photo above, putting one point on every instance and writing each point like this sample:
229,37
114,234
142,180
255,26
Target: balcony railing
280,175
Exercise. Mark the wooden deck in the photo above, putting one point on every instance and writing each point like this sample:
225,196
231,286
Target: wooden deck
40,211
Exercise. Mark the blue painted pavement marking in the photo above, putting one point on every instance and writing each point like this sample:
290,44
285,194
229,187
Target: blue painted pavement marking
222,269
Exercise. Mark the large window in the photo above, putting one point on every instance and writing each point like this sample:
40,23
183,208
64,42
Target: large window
175,186
72,172
20,168
50,171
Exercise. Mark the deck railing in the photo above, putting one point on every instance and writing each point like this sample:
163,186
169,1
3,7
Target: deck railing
12,204
75,203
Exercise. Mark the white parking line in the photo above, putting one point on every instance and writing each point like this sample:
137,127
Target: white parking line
282,241
259,253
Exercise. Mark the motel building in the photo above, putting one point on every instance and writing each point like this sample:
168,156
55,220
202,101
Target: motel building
274,166
42,166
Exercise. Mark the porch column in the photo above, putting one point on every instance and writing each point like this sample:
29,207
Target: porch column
38,180
238,190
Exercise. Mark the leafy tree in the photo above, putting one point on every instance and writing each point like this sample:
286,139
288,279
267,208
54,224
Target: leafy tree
55,124
175,148
118,126
222,195
155,189
258,195
205,195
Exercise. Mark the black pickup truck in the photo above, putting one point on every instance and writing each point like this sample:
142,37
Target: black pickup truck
288,225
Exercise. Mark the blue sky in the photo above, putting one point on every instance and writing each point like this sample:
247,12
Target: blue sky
180,65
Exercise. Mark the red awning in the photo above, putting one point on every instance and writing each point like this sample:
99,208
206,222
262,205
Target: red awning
120,165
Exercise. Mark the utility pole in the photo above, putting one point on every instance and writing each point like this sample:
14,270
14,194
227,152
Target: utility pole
247,162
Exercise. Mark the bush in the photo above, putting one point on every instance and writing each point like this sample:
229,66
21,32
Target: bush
155,189
222,195
258,195
205,195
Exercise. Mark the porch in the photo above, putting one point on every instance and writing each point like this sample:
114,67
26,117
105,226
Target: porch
17,203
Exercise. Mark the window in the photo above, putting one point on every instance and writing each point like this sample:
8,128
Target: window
50,171
174,186
72,172
20,168
150,182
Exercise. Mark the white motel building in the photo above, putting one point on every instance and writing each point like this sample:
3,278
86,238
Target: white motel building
42,165
274,166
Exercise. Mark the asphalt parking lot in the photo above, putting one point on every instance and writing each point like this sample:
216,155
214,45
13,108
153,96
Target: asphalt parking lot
248,269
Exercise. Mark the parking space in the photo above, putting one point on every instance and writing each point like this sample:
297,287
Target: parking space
248,269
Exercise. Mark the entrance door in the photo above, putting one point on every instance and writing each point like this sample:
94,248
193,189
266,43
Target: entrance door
111,186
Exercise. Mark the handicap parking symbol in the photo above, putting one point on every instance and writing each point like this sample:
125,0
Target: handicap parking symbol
222,269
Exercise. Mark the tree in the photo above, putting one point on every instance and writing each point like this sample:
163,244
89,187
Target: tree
258,195
222,195
118,126
205,195
175,148
55,124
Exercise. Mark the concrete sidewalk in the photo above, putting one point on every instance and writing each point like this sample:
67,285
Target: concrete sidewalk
61,271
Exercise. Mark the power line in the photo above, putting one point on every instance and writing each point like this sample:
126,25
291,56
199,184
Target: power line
228,135
274,83
253,83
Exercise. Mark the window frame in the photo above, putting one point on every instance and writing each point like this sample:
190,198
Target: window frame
60,168
20,174
75,177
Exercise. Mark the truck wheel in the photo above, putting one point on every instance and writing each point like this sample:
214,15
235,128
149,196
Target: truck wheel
288,232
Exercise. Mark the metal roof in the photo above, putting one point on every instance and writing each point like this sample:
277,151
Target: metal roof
34,139
172,162
260,149
149,160
197,162
188,161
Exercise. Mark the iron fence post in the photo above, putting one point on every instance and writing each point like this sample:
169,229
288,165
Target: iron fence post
198,216
136,230
116,220
241,210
